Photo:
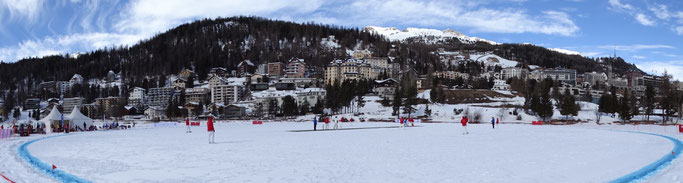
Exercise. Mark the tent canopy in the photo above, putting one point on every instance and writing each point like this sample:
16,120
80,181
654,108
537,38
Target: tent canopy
54,115
77,119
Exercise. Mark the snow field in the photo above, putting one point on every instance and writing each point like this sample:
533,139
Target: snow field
430,153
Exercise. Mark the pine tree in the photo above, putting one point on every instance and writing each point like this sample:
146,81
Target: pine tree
397,102
545,107
567,104
410,101
319,106
625,108
649,101
289,107
361,102
17,113
428,111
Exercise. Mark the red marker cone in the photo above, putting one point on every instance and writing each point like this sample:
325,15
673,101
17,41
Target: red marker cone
54,167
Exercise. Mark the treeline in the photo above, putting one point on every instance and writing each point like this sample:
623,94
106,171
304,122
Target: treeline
666,97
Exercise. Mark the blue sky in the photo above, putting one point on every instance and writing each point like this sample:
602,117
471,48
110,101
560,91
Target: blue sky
648,33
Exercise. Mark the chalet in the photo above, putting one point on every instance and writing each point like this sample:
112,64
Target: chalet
246,67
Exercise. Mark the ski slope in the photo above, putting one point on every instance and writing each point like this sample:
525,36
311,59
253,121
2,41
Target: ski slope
429,153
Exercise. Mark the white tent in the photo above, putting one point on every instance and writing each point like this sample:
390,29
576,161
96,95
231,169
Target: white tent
55,117
77,119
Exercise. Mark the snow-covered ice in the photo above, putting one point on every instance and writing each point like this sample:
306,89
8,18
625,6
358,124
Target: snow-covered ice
434,152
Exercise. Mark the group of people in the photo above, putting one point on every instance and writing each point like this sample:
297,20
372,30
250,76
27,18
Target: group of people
209,128
404,122
327,121
494,121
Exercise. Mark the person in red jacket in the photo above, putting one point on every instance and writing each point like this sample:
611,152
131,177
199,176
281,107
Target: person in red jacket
212,131
401,123
463,121
497,121
412,121
327,123
187,123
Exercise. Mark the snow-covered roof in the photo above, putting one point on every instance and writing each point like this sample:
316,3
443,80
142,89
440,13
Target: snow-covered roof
234,81
245,61
77,76
296,60
385,80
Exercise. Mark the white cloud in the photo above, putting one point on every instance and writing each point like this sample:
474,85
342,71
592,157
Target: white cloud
618,5
148,17
644,20
638,57
635,47
28,9
673,67
660,11
679,30
65,44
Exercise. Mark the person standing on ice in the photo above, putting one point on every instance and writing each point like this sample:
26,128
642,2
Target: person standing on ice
187,124
212,131
401,123
336,123
463,121
315,123
493,122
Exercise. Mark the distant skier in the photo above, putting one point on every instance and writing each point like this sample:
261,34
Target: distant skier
84,126
315,123
412,122
187,125
341,122
497,121
463,121
212,131
493,122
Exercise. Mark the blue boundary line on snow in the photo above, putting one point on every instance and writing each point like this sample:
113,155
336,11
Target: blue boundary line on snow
652,168
44,167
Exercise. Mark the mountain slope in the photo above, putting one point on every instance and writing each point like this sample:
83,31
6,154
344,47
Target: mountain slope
394,34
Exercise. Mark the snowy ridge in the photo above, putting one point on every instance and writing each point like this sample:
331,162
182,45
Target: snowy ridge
394,34
565,51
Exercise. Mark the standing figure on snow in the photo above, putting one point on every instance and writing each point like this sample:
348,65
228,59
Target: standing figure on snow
412,122
187,123
315,123
497,121
341,122
212,131
327,123
401,123
336,123
493,122
463,121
